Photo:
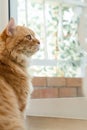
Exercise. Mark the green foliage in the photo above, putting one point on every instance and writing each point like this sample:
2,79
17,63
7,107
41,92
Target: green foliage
45,20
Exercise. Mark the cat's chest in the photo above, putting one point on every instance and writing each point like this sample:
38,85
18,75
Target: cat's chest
18,80
21,83
22,91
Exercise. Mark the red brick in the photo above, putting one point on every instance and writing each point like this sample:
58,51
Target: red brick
73,82
45,93
39,82
67,92
55,82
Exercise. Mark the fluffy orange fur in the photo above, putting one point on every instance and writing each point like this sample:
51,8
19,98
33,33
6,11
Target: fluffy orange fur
16,43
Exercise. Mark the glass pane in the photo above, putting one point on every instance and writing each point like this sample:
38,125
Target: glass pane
49,19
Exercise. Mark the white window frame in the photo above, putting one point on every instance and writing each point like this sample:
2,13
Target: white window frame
59,107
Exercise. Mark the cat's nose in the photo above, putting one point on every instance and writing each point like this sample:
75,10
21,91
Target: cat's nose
38,42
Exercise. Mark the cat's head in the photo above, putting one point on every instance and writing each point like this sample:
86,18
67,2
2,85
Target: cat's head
19,40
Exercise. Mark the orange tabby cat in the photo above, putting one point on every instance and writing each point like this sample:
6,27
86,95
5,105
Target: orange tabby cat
16,43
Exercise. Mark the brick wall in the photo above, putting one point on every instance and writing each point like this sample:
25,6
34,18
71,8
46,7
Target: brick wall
55,87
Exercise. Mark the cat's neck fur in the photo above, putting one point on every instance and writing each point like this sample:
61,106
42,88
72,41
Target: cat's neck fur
14,74
13,57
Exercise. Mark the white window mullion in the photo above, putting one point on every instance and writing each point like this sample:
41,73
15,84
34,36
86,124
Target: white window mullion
26,11
45,36
13,9
83,29
60,27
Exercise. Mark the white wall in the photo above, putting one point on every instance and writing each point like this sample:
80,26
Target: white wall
3,13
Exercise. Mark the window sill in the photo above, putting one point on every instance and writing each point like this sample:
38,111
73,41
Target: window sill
74,108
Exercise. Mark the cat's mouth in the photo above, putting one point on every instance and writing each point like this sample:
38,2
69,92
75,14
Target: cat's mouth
33,50
37,47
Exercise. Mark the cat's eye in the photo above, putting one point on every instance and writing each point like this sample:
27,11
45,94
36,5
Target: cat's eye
28,37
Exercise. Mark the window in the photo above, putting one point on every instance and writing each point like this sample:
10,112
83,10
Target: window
58,107
56,24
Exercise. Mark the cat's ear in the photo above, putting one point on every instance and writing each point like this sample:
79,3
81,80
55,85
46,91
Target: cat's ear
10,27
